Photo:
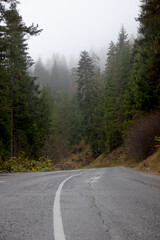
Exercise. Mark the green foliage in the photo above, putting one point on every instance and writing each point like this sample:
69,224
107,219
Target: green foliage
18,93
75,122
90,94
144,89
157,139
117,72
86,92
22,163
97,142
56,74
51,118
57,137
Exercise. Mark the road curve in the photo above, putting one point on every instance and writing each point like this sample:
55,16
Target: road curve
93,204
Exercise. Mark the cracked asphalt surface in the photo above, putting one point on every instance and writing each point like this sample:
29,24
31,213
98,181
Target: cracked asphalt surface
100,204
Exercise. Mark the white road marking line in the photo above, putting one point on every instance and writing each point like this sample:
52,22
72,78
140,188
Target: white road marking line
96,179
1,181
93,179
57,216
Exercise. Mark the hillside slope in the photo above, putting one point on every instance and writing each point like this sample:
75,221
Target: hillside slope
119,157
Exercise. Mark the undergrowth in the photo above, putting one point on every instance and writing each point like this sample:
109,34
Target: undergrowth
23,164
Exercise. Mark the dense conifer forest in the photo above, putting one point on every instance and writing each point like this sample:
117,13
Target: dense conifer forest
46,109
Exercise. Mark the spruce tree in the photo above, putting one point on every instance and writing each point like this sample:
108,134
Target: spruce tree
4,88
21,95
75,122
42,75
86,93
98,141
117,72
60,79
144,90
57,138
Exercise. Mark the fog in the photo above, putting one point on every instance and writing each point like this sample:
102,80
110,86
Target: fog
70,26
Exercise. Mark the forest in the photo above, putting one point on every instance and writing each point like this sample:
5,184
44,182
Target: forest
49,110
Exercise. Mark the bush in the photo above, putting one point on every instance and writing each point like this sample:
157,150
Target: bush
23,164
157,139
141,136
77,148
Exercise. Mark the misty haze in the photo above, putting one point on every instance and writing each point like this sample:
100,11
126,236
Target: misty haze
79,119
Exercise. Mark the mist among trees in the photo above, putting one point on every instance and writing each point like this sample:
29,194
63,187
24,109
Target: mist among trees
47,109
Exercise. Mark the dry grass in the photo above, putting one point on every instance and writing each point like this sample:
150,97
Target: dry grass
79,156
152,163
116,158
119,157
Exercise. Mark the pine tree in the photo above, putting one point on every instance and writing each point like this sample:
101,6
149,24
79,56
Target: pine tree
57,139
144,89
98,140
86,93
60,79
4,88
41,74
21,95
117,72
75,122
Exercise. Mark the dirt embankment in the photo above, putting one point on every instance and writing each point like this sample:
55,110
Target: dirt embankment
81,157
119,157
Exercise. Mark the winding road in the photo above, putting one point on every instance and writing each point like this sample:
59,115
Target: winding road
93,204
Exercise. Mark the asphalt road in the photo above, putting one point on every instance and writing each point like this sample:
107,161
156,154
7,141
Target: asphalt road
94,204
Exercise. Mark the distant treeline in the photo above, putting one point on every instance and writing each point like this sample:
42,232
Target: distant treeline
44,112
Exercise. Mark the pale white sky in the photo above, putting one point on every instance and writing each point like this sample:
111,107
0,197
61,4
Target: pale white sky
70,26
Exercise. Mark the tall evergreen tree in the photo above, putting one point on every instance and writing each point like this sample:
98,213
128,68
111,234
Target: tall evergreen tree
117,72
60,79
144,88
4,88
86,93
21,95
57,137
41,74
75,122
98,141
